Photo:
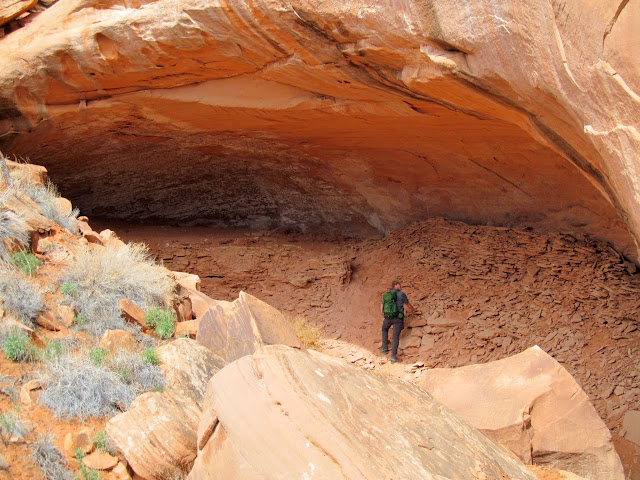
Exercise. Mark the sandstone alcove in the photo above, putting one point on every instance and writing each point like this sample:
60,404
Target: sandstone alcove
331,117
484,150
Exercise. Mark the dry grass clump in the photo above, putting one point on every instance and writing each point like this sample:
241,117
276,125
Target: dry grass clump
101,277
13,229
11,426
310,334
20,296
46,196
78,386
51,462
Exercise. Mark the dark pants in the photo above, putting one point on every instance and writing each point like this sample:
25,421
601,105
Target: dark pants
398,325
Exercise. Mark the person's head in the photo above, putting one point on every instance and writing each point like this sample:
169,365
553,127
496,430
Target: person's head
397,284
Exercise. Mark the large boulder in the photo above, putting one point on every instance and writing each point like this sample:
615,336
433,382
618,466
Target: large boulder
239,328
287,413
533,406
158,434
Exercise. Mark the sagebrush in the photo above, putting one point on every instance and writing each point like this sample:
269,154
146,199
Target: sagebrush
13,229
46,196
76,387
104,276
20,296
51,462
11,426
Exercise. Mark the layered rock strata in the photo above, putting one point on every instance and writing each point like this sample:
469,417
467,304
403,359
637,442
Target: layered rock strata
343,117
286,413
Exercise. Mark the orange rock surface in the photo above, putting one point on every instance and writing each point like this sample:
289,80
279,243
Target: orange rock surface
332,116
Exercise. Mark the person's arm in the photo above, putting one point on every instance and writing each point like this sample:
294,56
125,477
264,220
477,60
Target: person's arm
405,302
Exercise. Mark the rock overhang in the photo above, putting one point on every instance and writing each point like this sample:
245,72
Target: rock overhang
324,116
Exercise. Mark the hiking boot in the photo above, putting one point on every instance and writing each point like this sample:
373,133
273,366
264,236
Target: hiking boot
394,360
383,350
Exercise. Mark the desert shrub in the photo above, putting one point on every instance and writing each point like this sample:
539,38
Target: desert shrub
310,334
27,262
11,426
134,371
76,388
104,276
80,320
162,321
46,196
68,289
103,443
20,297
150,356
98,355
51,462
53,349
17,347
13,229
86,473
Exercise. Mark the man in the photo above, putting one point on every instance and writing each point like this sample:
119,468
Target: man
397,322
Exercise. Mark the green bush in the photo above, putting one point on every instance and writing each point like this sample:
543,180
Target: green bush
80,320
53,349
150,356
85,472
18,348
27,262
101,441
162,320
68,289
98,355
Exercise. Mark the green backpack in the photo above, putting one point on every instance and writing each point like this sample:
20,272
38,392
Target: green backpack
389,305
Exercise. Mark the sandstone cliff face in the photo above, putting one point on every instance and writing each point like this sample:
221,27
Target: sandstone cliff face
349,117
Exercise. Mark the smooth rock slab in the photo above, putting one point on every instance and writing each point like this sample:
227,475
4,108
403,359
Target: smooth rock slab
158,434
235,329
285,413
533,406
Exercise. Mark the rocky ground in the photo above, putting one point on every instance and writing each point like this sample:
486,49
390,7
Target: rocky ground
482,293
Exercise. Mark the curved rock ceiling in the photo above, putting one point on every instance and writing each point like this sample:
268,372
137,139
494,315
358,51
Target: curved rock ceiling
348,117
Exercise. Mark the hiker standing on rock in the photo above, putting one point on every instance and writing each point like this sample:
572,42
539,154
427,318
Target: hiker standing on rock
392,308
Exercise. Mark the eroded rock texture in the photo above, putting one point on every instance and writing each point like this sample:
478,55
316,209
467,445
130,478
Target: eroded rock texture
345,117
287,413
533,406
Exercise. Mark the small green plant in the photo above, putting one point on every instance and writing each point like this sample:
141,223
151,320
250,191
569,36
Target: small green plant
68,289
98,355
101,441
80,320
125,373
27,262
53,349
150,356
86,473
18,348
162,320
